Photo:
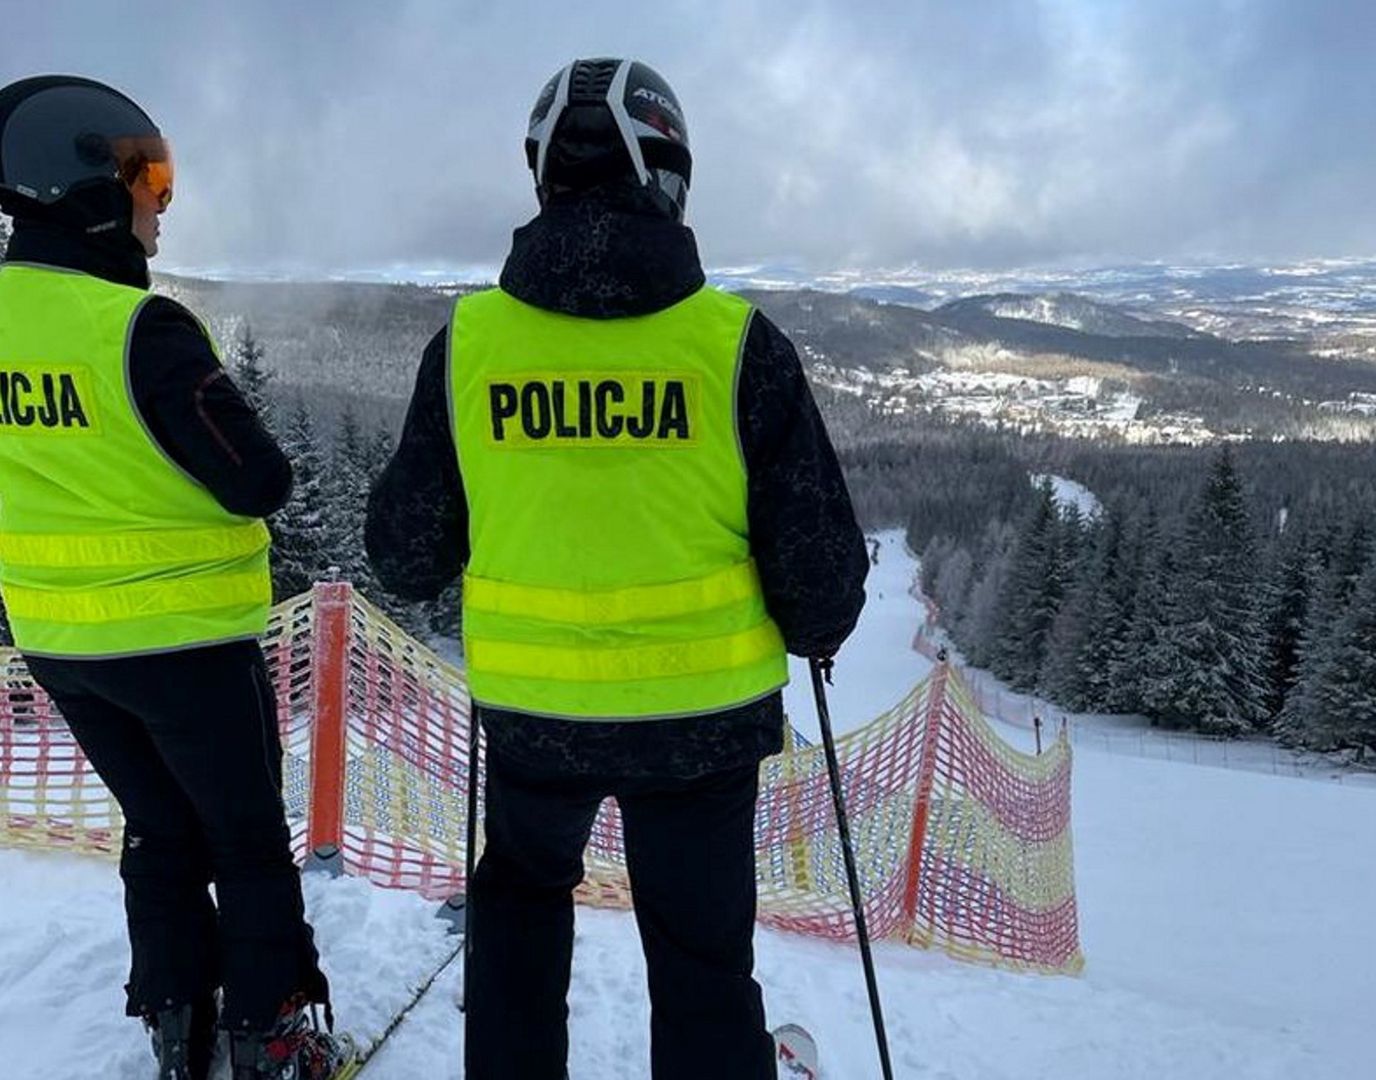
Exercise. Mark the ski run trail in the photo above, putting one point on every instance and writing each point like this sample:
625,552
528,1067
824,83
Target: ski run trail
1226,920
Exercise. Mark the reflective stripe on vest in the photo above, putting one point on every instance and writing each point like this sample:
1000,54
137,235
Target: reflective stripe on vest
627,662
610,572
599,607
110,602
106,546
168,548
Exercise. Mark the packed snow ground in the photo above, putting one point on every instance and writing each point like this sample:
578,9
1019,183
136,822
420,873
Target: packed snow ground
1225,915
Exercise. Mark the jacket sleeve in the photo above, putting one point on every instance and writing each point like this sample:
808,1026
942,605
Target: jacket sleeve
195,413
810,552
417,528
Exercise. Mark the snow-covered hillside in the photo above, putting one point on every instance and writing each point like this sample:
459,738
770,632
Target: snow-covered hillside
1322,297
1069,310
1077,407
1225,916
1069,493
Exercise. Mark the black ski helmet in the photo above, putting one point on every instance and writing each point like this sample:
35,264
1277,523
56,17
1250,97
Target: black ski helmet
597,120
72,149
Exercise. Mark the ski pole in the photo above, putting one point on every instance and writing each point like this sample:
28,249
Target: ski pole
821,668
468,855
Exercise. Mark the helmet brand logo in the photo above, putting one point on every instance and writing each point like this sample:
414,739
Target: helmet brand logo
659,99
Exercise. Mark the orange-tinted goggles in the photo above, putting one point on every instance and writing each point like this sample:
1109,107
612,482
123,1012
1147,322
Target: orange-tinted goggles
145,166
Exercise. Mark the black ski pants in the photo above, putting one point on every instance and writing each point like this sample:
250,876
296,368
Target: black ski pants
691,855
188,744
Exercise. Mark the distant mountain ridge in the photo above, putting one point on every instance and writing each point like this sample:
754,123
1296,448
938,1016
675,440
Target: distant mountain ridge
852,331
1269,299
1115,375
1057,361
1070,310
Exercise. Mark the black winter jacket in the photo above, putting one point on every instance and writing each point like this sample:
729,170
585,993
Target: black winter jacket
595,258
186,398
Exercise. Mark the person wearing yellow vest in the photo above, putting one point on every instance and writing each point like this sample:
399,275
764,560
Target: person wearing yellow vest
134,479
628,470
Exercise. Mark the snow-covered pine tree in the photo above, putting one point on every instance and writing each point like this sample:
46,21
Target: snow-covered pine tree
1032,595
380,448
1337,563
1327,604
977,630
1146,678
1353,694
250,376
1064,676
346,486
1285,599
1212,645
933,557
1352,550
1110,615
301,532
1090,638
1339,699
951,589
947,574
1075,538
1140,552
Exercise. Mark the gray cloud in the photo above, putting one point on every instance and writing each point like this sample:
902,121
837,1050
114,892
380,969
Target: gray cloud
357,135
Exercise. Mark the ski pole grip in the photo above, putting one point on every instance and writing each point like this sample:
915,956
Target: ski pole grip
824,664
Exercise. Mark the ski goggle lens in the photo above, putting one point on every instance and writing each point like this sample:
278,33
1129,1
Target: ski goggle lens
145,166
157,179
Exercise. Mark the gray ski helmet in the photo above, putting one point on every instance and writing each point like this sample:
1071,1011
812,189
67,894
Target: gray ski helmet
62,133
599,119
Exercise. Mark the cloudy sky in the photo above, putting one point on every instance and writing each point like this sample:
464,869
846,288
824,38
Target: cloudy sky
355,136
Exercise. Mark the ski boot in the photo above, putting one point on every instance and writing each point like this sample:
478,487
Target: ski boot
183,1040
293,1049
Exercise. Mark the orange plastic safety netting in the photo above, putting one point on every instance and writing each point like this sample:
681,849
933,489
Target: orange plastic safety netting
51,798
961,841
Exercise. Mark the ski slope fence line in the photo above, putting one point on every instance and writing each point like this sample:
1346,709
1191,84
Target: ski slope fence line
963,843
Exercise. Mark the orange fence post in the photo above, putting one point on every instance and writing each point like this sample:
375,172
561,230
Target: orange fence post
329,686
931,730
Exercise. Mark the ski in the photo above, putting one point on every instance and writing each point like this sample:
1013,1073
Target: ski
350,1068
361,1061
797,1053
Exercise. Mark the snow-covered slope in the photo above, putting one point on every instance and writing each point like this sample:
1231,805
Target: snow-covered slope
1070,493
876,666
1226,923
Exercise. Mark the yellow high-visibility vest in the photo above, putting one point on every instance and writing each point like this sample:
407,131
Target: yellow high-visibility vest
610,572
107,548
